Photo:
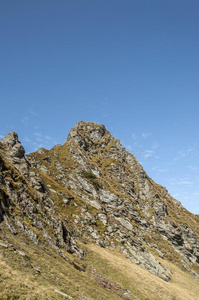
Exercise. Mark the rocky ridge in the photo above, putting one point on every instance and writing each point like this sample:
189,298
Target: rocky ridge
92,190
26,202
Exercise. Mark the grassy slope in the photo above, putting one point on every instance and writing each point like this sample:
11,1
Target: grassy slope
111,183
19,279
141,283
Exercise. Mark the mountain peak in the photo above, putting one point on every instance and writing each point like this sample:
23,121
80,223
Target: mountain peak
13,145
10,139
91,191
85,135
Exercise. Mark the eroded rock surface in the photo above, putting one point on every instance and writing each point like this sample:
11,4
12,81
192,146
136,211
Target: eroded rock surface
26,202
91,189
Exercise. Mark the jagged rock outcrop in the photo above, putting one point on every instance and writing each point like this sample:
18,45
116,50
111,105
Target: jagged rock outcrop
25,201
103,194
15,152
150,206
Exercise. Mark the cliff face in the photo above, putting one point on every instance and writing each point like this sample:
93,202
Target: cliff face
92,190
26,202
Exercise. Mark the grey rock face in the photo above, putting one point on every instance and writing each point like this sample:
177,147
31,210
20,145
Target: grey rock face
14,151
147,206
11,139
108,198
94,134
115,205
26,190
13,144
98,133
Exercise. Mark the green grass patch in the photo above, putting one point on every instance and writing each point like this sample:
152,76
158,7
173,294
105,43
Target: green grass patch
92,179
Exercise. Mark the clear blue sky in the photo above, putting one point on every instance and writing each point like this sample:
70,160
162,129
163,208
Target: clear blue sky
132,65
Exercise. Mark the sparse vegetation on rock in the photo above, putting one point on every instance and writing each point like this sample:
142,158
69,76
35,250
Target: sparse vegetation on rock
86,194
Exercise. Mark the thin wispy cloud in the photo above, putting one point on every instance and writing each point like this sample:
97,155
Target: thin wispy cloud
145,135
185,182
10,126
190,151
47,137
37,134
25,120
128,147
180,155
134,136
147,154
193,168
181,181
173,180
196,194
32,112
163,170
155,145
155,168
38,140
186,197
159,169
27,139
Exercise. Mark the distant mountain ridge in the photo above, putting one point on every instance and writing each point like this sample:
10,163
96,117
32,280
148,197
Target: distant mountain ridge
91,190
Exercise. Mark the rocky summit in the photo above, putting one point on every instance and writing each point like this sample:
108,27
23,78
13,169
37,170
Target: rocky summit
84,221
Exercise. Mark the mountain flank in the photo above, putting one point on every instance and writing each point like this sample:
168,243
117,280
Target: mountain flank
89,209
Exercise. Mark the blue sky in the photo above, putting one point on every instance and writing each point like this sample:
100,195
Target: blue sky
132,65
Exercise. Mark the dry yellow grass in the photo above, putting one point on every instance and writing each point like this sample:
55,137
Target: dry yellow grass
19,281
18,278
16,285
144,285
